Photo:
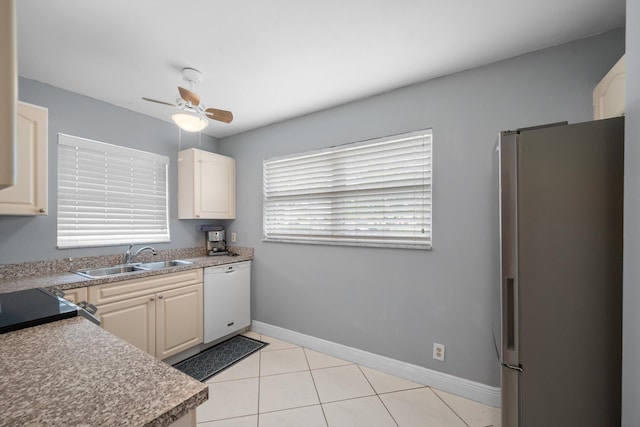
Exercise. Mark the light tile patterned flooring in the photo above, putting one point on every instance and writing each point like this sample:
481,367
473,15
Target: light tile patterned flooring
284,385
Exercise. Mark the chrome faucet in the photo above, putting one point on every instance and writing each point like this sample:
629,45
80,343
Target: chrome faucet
129,257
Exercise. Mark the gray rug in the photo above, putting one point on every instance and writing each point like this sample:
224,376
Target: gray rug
213,360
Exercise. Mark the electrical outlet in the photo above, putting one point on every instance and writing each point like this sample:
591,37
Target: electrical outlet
233,237
438,351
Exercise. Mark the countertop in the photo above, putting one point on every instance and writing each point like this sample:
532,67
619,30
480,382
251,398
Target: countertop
74,373
68,280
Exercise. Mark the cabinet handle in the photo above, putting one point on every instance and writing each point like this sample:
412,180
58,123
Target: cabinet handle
160,297
152,299
43,210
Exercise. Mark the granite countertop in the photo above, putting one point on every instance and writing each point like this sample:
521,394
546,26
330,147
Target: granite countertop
65,280
72,372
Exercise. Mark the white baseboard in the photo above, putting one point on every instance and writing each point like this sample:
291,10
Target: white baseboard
479,392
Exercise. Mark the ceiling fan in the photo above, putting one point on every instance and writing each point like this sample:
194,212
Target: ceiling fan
192,115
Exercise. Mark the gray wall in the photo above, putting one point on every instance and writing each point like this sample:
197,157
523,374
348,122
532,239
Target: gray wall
631,292
398,302
34,238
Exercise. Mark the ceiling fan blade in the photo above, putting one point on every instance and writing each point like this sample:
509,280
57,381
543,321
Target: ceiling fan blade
219,115
159,102
189,96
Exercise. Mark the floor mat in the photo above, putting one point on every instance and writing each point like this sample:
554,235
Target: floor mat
213,360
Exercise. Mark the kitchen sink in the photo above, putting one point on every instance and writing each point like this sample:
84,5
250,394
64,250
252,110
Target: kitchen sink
95,273
156,265
109,271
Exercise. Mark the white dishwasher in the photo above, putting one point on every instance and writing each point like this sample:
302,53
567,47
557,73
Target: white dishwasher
227,299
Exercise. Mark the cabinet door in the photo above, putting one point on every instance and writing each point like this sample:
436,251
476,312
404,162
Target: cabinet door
215,187
133,320
206,185
179,320
8,92
609,94
29,195
228,301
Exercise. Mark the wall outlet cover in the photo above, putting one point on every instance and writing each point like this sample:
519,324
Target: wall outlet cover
438,351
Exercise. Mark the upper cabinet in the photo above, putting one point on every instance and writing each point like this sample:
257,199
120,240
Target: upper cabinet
206,185
609,94
29,195
8,93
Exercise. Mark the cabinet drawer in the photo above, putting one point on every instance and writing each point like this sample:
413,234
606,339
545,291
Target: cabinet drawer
111,292
75,295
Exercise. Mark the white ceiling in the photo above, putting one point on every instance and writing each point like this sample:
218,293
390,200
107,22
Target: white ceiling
269,61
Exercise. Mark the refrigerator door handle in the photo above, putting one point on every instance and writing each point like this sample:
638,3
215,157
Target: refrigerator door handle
510,322
510,315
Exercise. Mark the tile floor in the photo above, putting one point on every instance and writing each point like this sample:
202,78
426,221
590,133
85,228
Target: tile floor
284,385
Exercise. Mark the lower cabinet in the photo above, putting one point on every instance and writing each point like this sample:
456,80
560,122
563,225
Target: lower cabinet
75,295
132,319
161,315
179,320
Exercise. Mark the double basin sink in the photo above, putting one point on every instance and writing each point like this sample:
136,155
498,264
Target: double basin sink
95,273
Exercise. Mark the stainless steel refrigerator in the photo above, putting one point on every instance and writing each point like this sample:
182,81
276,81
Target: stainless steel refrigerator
561,204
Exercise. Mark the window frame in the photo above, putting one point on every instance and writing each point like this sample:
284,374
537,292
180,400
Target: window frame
392,233
110,195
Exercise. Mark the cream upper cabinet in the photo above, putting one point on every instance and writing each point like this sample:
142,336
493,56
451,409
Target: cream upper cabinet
609,94
8,92
206,185
29,195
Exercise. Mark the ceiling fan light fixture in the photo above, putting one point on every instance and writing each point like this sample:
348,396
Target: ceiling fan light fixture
192,116
190,122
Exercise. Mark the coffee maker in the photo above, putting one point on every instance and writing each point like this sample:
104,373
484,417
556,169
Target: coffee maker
215,240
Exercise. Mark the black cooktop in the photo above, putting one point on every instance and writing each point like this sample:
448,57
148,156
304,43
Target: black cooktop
32,307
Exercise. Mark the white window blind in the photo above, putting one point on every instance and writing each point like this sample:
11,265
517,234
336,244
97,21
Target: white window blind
110,195
373,193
